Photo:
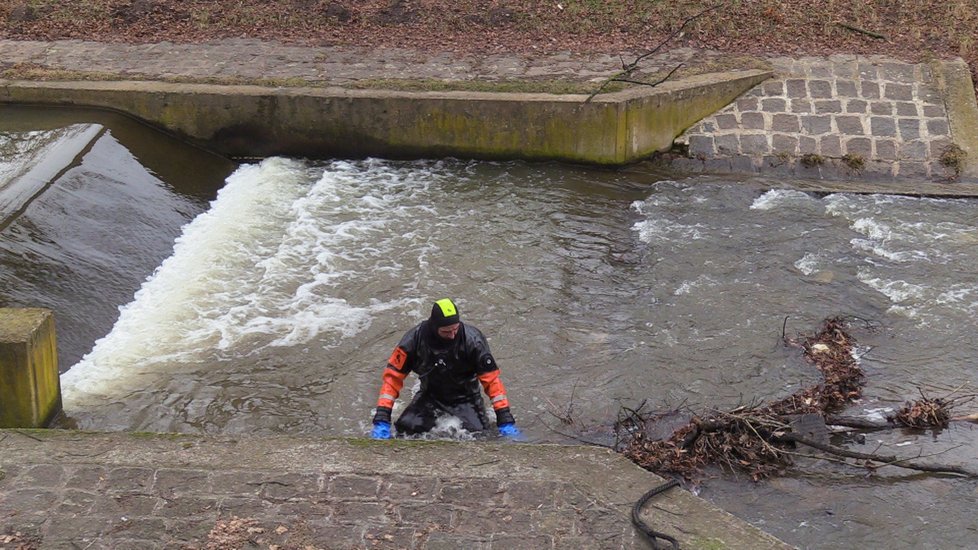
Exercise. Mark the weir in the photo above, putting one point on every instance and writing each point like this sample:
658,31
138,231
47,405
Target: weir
635,277
248,121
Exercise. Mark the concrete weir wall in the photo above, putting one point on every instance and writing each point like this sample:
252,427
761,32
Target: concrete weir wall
610,129
30,389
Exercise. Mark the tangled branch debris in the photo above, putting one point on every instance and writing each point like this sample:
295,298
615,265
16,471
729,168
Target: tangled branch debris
929,412
761,440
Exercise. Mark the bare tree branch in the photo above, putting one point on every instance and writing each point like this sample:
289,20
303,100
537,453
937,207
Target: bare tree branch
884,460
628,68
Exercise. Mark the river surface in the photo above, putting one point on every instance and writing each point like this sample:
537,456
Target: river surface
268,302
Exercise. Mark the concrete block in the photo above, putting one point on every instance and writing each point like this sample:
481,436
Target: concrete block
913,150
815,125
752,121
774,105
30,387
962,110
883,126
913,170
846,88
868,71
830,146
701,146
801,106
869,90
898,72
726,121
721,166
906,108
882,108
784,143
929,95
909,129
886,149
742,164
727,144
807,145
747,104
857,106
859,146
850,125
820,89
773,88
797,88
828,106
900,92
785,123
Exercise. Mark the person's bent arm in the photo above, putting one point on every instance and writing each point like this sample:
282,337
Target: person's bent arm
390,389
494,388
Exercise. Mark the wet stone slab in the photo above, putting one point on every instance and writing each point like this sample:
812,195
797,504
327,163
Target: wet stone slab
126,491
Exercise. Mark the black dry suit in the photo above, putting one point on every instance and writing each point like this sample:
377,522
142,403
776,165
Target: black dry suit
452,375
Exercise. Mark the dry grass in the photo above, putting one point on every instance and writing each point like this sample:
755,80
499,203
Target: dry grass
913,30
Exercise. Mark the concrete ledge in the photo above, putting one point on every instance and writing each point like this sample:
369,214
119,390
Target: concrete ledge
30,389
955,81
240,121
343,493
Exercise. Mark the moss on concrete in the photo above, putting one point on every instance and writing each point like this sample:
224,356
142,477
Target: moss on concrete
955,82
253,121
30,387
702,543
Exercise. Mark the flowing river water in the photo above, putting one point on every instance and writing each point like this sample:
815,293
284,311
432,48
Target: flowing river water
267,302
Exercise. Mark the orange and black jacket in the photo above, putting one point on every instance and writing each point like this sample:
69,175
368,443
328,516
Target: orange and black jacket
450,372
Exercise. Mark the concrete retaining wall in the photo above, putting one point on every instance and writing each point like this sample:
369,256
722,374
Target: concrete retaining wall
237,121
30,389
958,91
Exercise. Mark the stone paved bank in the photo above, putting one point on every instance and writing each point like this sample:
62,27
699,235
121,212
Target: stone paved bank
845,117
842,118
70,490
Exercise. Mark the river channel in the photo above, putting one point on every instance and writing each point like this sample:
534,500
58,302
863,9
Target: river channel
198,296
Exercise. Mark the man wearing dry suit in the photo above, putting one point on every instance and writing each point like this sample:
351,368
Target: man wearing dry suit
452,359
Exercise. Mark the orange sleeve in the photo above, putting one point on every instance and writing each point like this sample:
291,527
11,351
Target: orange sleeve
393,380
494,388
390,388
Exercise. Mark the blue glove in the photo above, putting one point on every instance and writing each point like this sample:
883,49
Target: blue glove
382,430
509,430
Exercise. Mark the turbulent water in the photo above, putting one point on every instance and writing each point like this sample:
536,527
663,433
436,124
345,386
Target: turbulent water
281,300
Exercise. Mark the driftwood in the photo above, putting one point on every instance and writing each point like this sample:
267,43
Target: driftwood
761,439
861,31
874,461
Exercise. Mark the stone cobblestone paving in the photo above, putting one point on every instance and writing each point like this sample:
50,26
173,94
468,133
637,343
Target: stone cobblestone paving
67,490
836,118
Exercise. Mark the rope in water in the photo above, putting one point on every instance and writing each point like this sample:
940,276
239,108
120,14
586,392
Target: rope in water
652,534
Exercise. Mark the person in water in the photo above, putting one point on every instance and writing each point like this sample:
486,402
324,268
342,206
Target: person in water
452,359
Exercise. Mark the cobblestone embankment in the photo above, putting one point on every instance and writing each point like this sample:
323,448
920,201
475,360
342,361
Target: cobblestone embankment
65,489
844,117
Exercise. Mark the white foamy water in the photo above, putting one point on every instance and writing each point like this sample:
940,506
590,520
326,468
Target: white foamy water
779,198
905,240
283,301
810,263
260,268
